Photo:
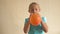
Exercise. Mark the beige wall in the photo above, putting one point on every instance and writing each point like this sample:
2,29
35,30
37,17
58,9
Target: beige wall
13,12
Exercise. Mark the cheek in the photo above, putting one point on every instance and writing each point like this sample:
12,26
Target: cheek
39,10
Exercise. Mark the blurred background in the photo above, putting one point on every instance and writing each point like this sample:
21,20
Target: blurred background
14,12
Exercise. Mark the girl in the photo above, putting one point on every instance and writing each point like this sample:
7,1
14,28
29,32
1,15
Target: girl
30,29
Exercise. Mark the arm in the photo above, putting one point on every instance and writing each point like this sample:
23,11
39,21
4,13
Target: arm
45,27
27,27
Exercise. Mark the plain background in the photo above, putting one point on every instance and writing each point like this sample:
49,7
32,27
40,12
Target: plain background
13,13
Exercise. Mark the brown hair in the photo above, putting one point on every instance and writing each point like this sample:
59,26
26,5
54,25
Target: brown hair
34,4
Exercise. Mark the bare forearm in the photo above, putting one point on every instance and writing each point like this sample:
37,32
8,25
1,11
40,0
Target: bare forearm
45,27
26,27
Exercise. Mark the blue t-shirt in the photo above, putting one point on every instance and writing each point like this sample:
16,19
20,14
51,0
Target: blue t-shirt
36,29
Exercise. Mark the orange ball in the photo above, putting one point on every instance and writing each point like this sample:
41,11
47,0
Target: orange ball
35,19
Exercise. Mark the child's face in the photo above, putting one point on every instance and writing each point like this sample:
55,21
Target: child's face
34,9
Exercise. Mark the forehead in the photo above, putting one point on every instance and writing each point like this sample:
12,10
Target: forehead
34,6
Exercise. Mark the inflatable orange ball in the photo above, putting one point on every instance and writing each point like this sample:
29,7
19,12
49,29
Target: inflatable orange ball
35,19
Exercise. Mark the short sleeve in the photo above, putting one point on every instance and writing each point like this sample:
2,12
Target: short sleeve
26,20
44,19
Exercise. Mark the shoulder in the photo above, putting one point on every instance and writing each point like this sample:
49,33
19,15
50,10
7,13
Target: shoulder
26,20
44,19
